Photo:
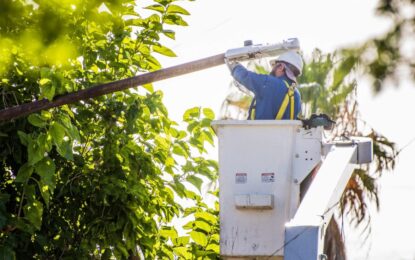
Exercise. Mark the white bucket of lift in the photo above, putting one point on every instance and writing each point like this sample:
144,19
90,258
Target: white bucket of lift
255,167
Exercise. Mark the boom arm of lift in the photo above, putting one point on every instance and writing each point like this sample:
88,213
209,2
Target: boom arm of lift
304,234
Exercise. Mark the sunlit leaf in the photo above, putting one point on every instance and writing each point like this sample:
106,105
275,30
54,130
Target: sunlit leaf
164,50
213,247
168,232
181,241
149,87
203,226
209,113
199,238
36,120
169,33
57,131
65,149
175,19
191,113
175,9
196,181
158,8
206,216
182,252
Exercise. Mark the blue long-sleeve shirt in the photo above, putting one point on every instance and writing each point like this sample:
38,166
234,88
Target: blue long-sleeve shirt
269,93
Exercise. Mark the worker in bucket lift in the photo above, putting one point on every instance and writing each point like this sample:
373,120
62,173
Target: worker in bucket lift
275,95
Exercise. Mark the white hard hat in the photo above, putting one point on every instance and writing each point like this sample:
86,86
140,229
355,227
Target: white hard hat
292,58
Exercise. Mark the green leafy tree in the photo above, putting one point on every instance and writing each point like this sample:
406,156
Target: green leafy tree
100,178
202,239
385,57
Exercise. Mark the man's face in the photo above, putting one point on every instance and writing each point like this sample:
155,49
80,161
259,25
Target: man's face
279,69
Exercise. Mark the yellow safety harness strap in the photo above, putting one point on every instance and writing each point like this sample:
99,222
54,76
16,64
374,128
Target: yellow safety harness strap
289,98
292,106
252,116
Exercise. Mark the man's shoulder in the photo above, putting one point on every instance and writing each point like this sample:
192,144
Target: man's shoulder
276,81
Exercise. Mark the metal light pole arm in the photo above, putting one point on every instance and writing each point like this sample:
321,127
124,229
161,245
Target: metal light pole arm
107,88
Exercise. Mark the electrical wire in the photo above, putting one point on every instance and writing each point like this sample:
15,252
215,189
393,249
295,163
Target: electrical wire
405,146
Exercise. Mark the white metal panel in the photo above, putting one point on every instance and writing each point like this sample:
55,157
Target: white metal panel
326,188
254,201
307,154
255,157
364,150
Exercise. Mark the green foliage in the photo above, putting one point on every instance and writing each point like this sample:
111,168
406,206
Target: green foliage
383,57
203,233
101,178
330,86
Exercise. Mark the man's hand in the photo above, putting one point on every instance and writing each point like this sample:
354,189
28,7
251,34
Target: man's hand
231,64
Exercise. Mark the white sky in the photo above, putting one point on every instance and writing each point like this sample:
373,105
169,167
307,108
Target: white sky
217,25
